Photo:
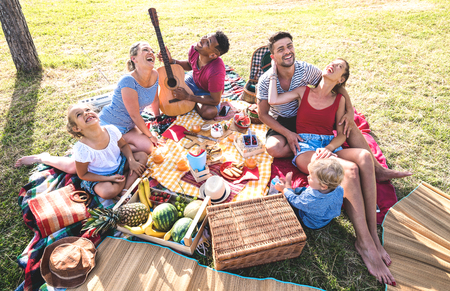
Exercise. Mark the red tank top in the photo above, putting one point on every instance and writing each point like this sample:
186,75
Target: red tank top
310,120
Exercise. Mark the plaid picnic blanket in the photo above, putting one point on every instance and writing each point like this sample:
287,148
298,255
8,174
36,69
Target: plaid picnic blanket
44,181
167,174
48,179
234,84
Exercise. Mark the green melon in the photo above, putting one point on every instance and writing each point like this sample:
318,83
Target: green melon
164,216
180,228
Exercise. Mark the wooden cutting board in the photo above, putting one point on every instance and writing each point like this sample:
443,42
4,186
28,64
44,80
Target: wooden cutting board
195,141
202,144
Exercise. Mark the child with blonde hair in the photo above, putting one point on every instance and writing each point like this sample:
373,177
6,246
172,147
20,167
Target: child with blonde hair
104,160
322,201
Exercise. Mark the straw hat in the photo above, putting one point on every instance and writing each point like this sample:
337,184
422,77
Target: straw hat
216,188
67,262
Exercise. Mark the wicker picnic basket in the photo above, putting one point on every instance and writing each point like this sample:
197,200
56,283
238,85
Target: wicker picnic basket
256,70
254,232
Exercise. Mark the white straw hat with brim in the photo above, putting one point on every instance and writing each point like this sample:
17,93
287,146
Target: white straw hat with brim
67,262
216,188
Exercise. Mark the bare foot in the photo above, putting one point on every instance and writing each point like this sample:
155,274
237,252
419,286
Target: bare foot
384,174
384,256
375,265
30,160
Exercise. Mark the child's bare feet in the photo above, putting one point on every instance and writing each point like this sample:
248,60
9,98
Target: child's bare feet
30,160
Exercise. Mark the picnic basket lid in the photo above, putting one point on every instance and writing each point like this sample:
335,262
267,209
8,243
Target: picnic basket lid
247,227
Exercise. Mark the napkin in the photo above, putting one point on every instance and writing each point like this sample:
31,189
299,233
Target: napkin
248,174
175,132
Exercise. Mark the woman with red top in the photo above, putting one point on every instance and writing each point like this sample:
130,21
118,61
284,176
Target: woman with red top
318,115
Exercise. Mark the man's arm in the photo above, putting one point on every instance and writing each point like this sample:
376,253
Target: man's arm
213,99
263,114
184,64
348,118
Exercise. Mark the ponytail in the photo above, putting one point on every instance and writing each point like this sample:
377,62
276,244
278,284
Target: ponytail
130,65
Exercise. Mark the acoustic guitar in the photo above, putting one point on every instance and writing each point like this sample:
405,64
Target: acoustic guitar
171,76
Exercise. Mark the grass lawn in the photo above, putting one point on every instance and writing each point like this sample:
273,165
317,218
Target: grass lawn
399,53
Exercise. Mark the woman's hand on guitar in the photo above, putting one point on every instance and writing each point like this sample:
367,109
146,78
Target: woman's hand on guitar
160,58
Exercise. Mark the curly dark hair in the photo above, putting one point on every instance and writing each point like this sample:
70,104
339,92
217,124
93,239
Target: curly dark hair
276,37
224,44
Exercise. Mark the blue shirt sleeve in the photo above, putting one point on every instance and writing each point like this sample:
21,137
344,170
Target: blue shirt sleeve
127,81
297,201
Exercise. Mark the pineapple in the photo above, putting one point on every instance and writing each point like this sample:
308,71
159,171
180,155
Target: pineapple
131,214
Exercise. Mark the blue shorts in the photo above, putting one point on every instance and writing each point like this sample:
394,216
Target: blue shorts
312,142
189,80
88,186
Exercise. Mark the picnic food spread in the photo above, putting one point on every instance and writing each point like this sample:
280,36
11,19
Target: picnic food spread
163,216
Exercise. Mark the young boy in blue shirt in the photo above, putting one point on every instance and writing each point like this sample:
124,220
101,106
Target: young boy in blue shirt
322,201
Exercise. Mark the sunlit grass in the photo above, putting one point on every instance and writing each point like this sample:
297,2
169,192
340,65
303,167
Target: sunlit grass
398,52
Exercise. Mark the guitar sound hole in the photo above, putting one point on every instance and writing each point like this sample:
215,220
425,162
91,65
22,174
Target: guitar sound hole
172,83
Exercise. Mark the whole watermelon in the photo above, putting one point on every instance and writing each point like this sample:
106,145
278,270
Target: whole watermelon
164,216
180,228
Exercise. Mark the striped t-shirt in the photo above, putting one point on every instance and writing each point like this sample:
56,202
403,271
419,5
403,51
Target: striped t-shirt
305,74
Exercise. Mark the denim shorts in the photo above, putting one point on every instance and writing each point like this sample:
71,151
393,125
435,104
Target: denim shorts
88,186
189,80
312,142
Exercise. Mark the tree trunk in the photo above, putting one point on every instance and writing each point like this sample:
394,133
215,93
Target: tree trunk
17,35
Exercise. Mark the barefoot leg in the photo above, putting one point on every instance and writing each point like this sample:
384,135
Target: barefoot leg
364,161
356,210
65,164
357,140
277,147
108,190
142,158
138,141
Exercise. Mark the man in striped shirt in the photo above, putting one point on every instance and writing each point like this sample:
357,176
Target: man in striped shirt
282,139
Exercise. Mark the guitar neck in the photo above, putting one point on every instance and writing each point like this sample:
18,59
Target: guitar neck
165,57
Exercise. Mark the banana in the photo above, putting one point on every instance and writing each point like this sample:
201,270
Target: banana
135,229
147,191
150,231
142,196
168,235
148,223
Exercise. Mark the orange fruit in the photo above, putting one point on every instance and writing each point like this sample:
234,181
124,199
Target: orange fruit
158,158
196,128
182,165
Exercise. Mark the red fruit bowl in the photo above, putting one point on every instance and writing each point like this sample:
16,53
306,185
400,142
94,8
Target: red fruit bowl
241,126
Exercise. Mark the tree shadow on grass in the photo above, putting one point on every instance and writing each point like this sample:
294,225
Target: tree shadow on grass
16,139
